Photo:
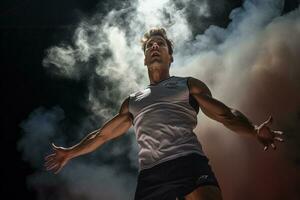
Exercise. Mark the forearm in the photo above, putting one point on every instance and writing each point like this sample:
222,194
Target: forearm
110,130
88,144
232,119
239,123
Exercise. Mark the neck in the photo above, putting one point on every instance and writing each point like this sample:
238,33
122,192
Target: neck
157,74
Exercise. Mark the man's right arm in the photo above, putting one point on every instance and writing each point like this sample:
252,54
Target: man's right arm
115,127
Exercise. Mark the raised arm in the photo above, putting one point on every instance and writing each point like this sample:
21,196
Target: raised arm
115,127
231,118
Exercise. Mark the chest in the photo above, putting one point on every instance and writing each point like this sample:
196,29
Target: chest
168,92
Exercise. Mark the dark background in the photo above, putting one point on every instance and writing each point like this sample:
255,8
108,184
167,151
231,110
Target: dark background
27,29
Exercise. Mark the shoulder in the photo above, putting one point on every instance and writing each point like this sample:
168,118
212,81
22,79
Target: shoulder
197,86
124,110
125,106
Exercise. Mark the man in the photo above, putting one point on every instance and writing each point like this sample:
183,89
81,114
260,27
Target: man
172,162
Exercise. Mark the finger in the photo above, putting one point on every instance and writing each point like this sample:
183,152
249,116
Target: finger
49,159
49,165
264,144
269,121
278,132
52,166
49,162
273,146
278,139
50,156
56,171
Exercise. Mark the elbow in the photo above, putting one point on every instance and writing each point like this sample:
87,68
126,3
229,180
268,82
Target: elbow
226,118
102,137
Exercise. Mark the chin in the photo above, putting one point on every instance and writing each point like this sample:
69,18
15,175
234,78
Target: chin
156,60
156,65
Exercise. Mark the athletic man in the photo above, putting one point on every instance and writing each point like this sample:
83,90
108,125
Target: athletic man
164,114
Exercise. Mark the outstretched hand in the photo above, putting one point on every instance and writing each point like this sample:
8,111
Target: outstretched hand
266,136
58,159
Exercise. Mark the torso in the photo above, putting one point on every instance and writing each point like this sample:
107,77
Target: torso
164,116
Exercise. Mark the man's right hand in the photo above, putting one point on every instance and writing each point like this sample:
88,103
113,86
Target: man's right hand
56,161
115,127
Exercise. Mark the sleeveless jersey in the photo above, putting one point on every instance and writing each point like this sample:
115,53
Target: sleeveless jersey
163,120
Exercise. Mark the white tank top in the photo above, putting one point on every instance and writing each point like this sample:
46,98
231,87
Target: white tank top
164,116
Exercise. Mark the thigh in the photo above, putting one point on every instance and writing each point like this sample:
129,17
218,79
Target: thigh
207,192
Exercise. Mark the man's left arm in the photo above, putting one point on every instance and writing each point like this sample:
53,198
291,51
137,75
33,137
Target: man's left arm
231,118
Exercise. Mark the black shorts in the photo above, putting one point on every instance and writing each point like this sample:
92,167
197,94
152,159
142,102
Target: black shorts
175,178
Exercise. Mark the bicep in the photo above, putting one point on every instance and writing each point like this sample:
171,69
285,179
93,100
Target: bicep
210,106
125,108
198,87
119,124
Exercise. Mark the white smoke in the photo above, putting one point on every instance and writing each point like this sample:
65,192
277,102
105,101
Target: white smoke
251,65
38,129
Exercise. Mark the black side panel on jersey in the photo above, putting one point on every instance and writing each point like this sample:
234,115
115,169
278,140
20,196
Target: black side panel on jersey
192,101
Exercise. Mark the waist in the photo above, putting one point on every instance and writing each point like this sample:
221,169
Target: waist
149,159
180,158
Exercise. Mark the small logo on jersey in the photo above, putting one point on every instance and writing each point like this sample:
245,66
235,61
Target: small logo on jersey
143,94
171,85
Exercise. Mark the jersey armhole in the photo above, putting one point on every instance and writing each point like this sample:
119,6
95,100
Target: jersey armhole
192,101
131,115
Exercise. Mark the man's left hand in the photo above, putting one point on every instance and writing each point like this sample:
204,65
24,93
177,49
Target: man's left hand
266,136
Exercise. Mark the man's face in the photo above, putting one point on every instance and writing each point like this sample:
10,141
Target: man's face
156,51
